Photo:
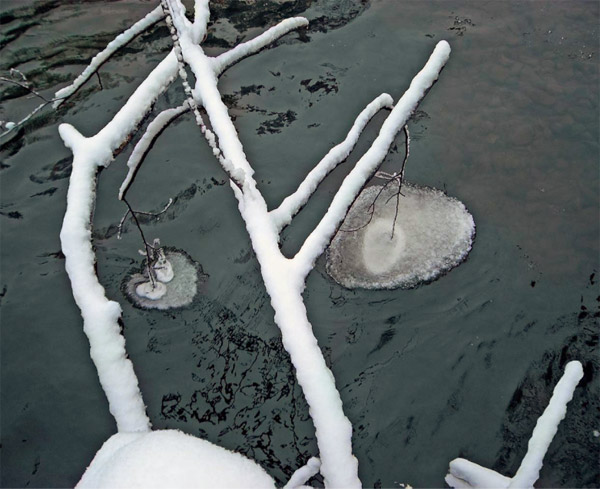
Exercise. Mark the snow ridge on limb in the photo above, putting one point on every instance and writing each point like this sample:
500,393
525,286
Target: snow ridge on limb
100,315
465,474
301,475
318,240
158,124
223,61
289,207
117,43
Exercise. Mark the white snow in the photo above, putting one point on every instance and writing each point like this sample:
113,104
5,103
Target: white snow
465,474
152,291
546,427
290,206
130,460
100,315
163,269
161,121
318,240
120,41
223,61
300,476
433,233
170,459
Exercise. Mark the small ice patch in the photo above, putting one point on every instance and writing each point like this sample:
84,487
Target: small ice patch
433,234
178,278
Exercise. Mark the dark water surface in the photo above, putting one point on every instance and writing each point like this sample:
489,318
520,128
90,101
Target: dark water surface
460,367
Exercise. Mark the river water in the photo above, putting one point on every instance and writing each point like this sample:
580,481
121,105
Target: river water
459,367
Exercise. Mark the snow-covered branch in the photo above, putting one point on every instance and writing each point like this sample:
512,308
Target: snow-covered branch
138,154
225,60
100,315
300,476
201,17
290,206
465,474
546,427
318,240
122,125
117,43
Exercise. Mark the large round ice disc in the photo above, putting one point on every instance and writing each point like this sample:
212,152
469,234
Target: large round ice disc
432,234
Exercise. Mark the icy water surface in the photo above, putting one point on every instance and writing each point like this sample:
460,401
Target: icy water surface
460,367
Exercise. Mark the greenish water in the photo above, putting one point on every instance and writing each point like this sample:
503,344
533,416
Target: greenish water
460,367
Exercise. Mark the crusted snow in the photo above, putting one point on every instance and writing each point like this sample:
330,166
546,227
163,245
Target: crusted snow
170,459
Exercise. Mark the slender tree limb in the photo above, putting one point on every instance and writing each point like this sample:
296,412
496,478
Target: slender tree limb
24,84
228,58
282,216
121,40
127,212
158,124
147,246
25,119
318,240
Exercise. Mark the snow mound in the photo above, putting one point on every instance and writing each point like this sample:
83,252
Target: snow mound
433,234
183,278
170,458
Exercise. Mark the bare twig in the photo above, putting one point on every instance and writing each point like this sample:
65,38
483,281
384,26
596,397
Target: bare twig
149,249
99,80
397,177
24,84
154,214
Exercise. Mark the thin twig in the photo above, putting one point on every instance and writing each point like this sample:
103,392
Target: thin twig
397,177
25,86
155,214
99,80
147,246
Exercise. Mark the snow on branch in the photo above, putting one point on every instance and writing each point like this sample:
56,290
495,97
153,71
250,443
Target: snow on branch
225,60
300,476
153,130
201,17
290,206
122,125
318,240
179,27
465,474
546,426
118,42
100,315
